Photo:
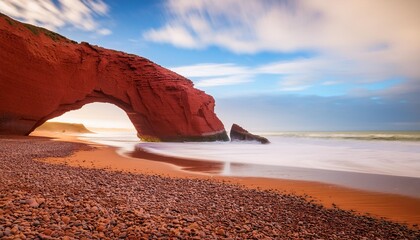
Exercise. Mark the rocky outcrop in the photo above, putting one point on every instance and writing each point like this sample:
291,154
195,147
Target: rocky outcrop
237,133
43,75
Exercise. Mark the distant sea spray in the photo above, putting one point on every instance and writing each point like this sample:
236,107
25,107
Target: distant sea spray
367,135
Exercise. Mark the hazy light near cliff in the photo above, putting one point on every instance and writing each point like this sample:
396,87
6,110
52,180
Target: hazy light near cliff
97,115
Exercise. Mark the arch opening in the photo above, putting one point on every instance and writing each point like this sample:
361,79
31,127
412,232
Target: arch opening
97,117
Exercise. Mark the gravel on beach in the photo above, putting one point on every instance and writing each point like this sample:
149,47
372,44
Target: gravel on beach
47,201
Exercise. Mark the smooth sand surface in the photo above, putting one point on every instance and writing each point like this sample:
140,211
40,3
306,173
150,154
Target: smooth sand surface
390,206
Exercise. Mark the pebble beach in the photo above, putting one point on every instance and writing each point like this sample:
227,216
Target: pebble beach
39,200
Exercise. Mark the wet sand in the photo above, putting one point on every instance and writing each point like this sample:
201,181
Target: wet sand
394,207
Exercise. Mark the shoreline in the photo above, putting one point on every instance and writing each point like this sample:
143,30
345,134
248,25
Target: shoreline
40,200
398,208
399,185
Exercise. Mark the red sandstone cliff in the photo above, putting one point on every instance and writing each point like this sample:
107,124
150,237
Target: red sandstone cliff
43,75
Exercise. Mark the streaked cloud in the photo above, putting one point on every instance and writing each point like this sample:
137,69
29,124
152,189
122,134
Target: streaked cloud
223,81
178,36
353,41
282,26
296,75
211,70
104,31
213,74
80,14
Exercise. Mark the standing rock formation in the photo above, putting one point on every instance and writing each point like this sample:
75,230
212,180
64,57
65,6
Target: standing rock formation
43,75
237,133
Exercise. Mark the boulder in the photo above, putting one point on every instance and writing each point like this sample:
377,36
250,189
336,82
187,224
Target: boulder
237,133
43,75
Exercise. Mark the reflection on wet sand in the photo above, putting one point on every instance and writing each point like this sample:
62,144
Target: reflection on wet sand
407,186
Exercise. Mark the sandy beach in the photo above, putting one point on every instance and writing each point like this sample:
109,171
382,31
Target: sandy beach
209,120
394,207
145,198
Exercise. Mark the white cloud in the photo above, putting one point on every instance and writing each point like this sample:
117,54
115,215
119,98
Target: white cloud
329,83
50,14
211,70
97,6
293,75
175,35
304,65
223,81
294,88
255,25
104,31
354,41
214,74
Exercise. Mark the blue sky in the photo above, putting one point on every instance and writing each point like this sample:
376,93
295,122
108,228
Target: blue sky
271,65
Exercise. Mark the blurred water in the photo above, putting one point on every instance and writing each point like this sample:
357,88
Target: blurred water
124,141
378,165
396,158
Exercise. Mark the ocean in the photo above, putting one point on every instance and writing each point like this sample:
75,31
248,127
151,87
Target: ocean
374,161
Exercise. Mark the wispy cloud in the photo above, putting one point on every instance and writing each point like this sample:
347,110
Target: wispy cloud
104,31
255,25
296,75
176,35
211,70
354,41
213,74
223,81
53,15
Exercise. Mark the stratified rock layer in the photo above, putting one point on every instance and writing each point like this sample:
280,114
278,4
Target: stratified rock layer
237,133
43,75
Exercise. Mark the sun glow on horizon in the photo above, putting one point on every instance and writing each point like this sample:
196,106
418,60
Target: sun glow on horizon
96,116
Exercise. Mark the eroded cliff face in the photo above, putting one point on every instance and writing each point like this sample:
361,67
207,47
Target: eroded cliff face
43,75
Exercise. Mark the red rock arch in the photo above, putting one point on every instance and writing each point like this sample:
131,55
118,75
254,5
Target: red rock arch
43,75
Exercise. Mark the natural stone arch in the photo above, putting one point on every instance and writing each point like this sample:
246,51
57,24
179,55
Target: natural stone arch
43,75
90,99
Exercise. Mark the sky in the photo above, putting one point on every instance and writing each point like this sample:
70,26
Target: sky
302,65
